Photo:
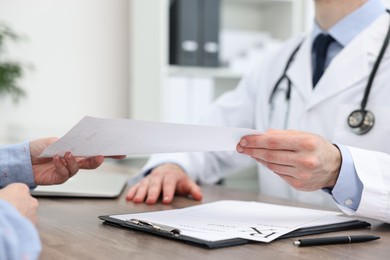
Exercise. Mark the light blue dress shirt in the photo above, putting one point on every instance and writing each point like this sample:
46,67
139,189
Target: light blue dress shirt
348,189
19,238
15,165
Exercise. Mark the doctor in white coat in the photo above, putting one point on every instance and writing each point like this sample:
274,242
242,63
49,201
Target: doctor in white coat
312,154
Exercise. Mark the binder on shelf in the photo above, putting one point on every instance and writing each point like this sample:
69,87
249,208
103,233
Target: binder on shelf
194,32
184,35
210,33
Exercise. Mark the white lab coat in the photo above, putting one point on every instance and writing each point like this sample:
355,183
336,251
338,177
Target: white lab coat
323,110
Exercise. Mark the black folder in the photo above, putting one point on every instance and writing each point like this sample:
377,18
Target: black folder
184,37
327,222
209,39
348,225
194,32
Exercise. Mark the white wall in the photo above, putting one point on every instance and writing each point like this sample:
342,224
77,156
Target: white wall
149,55
79,50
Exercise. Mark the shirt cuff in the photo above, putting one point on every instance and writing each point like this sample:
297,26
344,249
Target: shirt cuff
348,189
15,165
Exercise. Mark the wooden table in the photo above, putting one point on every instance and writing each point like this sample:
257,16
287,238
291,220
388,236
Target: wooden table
70,229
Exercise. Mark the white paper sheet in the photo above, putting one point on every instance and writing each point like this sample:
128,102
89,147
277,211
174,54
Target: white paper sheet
235,219
96,136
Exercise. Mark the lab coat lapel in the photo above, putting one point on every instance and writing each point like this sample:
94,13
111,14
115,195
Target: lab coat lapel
347,68
353,64
300,70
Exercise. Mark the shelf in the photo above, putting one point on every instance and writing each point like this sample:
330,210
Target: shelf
149,31
201,72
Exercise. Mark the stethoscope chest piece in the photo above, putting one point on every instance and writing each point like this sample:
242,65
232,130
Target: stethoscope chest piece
361,121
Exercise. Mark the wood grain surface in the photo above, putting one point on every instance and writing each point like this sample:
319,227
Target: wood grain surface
70,229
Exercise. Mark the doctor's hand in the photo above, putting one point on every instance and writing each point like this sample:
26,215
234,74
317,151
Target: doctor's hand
306,161
166,180
57,170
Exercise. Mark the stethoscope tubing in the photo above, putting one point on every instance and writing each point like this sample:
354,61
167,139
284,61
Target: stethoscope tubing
368,118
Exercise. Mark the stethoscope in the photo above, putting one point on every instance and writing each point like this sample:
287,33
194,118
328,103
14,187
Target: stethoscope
360,120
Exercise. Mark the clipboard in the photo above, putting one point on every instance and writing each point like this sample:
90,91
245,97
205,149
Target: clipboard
329,222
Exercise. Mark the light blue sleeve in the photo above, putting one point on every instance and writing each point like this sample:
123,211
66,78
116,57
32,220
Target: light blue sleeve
15,165
348,189
19,238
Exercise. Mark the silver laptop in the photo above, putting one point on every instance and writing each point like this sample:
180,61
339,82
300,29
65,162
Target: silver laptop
86,184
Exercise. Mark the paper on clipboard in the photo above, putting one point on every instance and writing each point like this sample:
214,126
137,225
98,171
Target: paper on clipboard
96,136
229,219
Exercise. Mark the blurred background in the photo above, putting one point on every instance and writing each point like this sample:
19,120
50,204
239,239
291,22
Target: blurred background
111,59
77,63
160,60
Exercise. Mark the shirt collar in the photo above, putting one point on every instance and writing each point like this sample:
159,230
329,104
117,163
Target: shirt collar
351,25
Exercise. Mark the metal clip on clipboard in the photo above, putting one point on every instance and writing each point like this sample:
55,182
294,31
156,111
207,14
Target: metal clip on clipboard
155,227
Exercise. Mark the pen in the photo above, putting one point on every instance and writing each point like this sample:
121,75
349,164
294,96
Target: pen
334,240
156,227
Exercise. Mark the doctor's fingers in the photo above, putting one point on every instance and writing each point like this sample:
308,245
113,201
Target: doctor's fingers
132,191
278,168
301,162
149,189
177,182
305,179
189,187
169,187
296,183
154,188
305,182
280,157
138,192
297,178
289,140
290,174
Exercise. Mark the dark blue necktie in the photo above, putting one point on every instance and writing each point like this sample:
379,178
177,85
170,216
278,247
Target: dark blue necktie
321,44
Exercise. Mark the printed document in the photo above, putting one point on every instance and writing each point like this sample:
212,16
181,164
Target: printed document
235,219
96,136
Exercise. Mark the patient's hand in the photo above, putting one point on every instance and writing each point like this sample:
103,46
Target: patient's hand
56,170
18,194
